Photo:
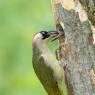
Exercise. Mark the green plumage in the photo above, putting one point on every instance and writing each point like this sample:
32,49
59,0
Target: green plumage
49,72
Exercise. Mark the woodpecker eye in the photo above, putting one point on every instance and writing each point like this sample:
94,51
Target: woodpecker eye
45,34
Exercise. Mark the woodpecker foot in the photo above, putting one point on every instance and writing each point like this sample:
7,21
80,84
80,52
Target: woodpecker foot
57,53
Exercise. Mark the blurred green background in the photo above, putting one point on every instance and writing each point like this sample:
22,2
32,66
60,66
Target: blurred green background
19,20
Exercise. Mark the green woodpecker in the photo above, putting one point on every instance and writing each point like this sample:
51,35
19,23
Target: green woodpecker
45,64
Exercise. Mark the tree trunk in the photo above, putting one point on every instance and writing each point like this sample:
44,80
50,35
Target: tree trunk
78,49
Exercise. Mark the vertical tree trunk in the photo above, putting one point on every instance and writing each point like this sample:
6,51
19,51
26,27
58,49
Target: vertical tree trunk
78,51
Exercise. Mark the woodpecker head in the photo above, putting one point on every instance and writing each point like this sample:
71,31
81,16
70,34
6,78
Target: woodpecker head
43,37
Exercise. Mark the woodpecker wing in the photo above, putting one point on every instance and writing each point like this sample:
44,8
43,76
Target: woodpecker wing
46,76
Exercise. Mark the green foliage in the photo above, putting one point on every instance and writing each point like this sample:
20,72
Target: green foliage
19,20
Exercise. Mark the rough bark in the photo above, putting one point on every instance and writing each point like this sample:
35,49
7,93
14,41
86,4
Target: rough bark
78,49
